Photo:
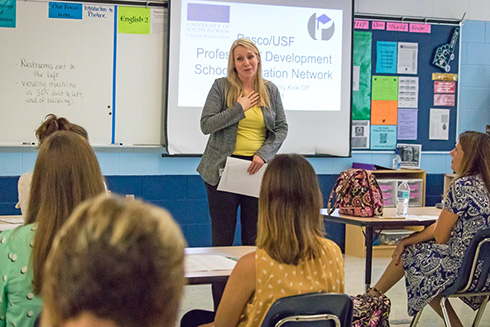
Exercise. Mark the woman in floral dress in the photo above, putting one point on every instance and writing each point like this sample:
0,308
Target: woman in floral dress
430,260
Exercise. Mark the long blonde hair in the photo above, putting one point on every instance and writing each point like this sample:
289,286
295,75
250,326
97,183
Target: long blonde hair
476,155
66,173
119,260
290,226
235,86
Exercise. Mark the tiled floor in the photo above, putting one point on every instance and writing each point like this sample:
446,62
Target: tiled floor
200,297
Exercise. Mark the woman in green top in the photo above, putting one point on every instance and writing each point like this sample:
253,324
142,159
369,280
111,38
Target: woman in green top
65,174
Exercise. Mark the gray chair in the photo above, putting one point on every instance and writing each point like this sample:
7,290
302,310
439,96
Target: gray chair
472,277
311,310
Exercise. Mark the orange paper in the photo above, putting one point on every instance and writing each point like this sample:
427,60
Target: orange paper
384,112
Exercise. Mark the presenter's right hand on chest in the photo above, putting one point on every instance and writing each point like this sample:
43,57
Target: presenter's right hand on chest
249,100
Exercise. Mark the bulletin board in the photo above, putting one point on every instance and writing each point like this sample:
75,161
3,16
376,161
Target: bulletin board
401,94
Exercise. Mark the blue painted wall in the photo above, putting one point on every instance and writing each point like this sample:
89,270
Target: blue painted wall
173,183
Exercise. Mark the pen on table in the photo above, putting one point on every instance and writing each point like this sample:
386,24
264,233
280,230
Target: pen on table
28,143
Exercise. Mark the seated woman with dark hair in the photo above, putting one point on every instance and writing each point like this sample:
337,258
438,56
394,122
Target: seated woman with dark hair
430,260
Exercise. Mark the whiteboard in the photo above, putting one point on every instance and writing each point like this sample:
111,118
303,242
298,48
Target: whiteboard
88,69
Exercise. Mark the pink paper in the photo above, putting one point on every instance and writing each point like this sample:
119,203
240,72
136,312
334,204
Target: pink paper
420,28
361,24
378,25
444,87
446,100
397,27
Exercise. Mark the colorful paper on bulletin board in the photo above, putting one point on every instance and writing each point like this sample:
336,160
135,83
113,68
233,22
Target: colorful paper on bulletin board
8,10
361,100
444,87
384,112
133,20
444,77
444,100
383,137
378,25
65,10
386,57
407,124
385,88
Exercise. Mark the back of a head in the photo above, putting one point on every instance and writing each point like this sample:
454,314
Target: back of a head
118,260
51,124
290,200
65,174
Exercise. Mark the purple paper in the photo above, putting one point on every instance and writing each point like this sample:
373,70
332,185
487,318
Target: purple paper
407,124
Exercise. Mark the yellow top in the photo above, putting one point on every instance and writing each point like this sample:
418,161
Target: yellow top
275,280
251,132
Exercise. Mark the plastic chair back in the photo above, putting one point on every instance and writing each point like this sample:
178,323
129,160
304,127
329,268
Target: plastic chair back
311,310
477,254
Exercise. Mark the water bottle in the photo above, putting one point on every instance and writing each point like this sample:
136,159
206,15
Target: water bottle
397,160
402,199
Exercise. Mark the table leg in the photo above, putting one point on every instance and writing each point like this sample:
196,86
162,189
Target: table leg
369,256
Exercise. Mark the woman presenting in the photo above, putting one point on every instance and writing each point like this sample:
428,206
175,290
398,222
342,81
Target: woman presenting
245,119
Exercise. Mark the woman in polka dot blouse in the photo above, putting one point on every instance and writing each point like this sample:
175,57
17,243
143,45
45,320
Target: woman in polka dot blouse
66,173
292,256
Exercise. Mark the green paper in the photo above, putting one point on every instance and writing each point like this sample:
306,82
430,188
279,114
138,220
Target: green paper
361,100
133,20
385,88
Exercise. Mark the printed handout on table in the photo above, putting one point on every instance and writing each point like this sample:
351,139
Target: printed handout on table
383,137
439,124
360,134
407,124
407,57
408,92
386,57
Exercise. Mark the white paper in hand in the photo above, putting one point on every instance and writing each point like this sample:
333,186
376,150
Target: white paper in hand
236,179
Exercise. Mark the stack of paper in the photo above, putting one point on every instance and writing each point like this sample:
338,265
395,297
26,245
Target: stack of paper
201,262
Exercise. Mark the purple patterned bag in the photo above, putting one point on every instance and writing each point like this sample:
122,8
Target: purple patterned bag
356,193
371,311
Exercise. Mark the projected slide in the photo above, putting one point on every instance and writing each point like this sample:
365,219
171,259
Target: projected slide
301,50
305,50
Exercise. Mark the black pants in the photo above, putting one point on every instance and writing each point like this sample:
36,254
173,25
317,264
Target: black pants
223,207
195,318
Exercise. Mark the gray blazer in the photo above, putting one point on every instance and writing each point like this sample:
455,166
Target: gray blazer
221,123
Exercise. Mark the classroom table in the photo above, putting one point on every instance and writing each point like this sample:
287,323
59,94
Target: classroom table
418,216
210,277
10,222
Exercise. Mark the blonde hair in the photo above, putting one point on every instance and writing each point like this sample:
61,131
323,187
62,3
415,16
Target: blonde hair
119,260
235,84
476,155
290,226
66,173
